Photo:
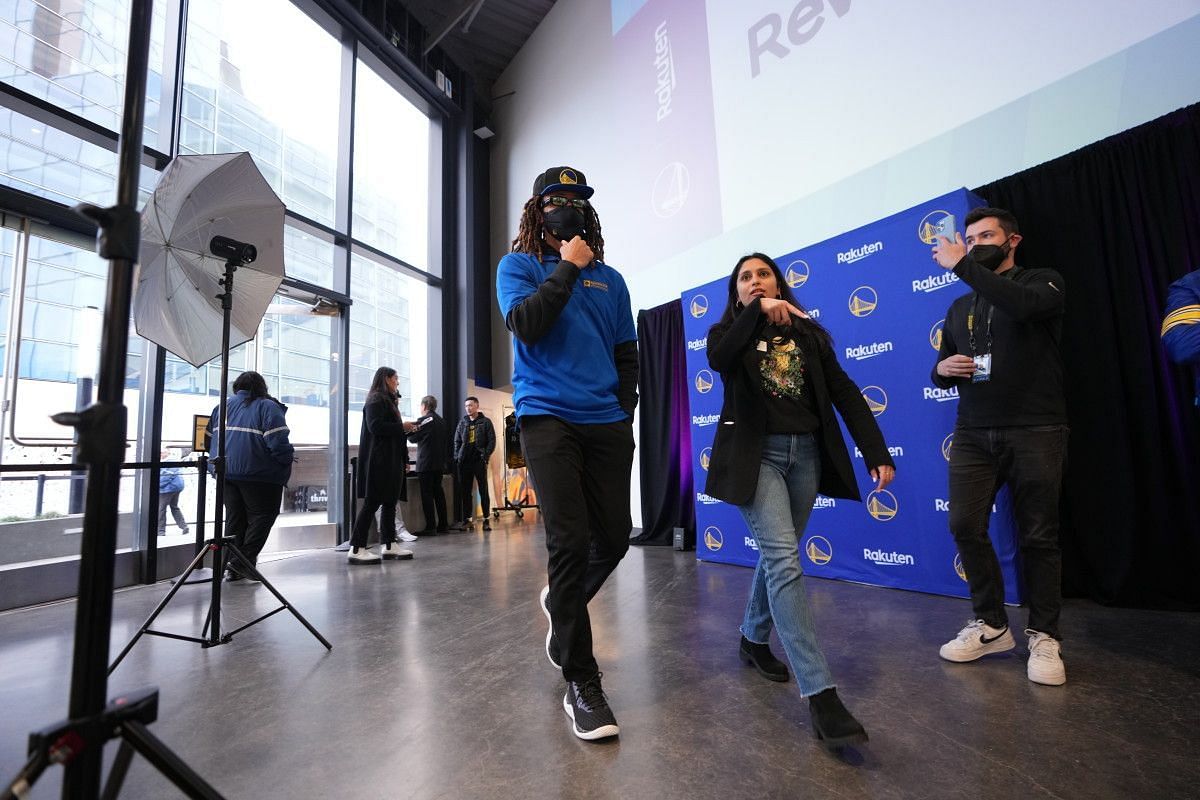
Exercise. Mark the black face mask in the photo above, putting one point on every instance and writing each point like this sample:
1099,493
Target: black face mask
565,223
990,256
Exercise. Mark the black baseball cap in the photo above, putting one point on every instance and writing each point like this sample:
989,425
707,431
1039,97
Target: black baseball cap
557,178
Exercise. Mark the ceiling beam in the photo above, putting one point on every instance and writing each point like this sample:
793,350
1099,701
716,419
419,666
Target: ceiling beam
467,7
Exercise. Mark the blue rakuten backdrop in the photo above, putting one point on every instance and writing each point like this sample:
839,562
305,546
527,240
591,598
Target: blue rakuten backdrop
883,298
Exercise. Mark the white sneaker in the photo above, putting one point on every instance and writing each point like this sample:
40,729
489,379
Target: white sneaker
1045,659
975,640
361,555
405,536
393,551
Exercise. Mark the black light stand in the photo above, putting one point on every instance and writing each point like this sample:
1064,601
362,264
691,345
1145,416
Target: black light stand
236,254
78,742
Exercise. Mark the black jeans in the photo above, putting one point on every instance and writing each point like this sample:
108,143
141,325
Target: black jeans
581,474
251,508
366,515
1030,460
432,496
473,468
170,500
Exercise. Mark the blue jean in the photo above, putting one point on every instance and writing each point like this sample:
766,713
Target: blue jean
787,487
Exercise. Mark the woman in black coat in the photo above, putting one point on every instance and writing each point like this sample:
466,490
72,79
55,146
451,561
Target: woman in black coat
777,445
382,459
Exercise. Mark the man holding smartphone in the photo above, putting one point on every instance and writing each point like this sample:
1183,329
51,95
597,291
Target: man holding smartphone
1000,350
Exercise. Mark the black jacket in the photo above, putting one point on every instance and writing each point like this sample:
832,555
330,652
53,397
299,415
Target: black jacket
433,443
1027,385
737,446
382,453
485,438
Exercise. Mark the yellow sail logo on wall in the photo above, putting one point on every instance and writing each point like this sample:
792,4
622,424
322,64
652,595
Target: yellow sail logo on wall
863,301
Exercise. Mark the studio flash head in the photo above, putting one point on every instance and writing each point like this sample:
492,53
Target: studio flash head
232,249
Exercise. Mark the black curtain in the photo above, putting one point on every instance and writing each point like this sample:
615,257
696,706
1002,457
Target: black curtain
664,435
1120,219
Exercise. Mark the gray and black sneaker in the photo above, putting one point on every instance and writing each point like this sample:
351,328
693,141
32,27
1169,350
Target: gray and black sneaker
588,709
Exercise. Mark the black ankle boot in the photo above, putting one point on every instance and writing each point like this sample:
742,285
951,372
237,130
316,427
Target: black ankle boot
764,660
832,723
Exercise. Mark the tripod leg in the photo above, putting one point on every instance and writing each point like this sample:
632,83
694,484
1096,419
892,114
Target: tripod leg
158,609
20,786
214,609
172,767
242,560
120,767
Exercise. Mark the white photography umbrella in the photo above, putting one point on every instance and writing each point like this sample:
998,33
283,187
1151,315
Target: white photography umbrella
176,301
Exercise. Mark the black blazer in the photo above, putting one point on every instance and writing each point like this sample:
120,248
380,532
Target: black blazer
433,443
382,453
737,446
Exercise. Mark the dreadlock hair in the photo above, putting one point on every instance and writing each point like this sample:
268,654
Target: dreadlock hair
529,235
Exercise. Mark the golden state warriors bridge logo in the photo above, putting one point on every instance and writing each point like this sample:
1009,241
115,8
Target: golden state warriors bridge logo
713,538
704,381
958,567
797,273
946,443
863,301
819,550
876,398
882,505
936,223
705,457
699,306
935,334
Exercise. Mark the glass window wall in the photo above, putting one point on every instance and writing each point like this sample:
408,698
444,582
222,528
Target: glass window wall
391,171
276,96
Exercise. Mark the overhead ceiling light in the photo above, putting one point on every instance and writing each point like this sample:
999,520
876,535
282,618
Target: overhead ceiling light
484,132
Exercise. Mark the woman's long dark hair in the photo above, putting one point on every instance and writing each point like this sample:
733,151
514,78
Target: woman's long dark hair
253,383
380,391
733,307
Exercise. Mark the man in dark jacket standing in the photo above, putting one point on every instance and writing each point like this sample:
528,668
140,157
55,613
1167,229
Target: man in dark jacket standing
1000,351
474,441
429,433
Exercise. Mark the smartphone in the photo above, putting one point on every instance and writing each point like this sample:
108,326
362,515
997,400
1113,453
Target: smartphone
945,227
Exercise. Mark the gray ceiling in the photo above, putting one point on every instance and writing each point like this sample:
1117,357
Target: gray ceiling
493,37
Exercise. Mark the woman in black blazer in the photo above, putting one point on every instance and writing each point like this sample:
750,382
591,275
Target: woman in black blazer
777,445
382,461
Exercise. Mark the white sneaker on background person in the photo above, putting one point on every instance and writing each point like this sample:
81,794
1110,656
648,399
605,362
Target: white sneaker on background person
406,536
392,551
975,640
361,555
1045,659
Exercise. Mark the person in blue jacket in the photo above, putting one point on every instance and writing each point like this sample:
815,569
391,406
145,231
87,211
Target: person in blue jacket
170,485
1181,324
258,465
575,376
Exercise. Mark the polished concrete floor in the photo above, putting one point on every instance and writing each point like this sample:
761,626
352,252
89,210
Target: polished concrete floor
438,687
